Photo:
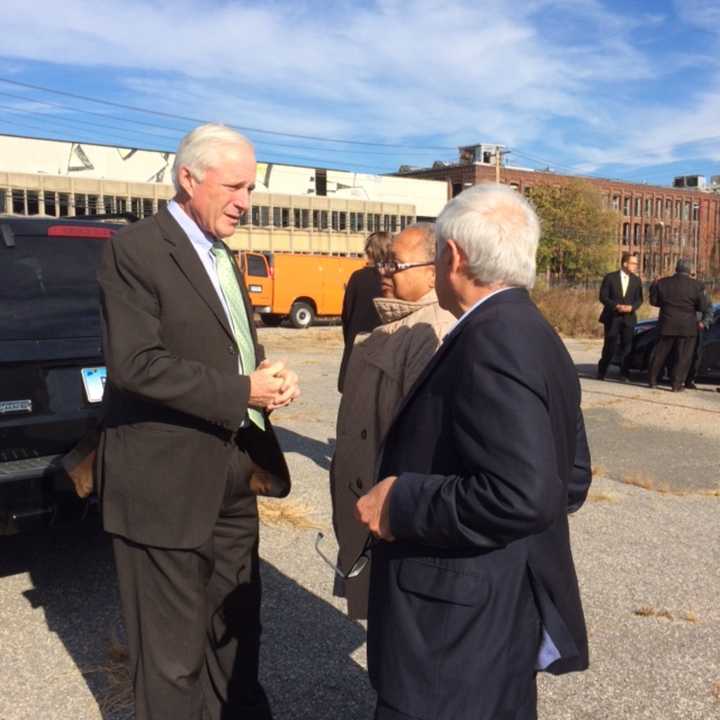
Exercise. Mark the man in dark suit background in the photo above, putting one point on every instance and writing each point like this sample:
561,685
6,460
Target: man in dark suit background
358,311
187,442
621,294
473,586
680,299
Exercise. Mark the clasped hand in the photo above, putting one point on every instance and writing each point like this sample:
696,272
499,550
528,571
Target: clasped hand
273,386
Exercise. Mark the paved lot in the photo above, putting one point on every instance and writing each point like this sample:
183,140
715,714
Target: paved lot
650,550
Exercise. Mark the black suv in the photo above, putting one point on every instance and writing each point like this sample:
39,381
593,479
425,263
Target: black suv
51,363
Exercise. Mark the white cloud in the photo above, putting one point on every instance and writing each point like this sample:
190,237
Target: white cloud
390,70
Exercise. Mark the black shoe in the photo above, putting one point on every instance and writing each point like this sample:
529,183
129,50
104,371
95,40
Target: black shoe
690,385
600,374
677,388
653,384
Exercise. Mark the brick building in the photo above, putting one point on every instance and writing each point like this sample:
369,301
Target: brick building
660,224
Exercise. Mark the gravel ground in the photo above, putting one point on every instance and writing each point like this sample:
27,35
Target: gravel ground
637,551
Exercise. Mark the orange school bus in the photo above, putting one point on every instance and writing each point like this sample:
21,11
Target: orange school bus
296,286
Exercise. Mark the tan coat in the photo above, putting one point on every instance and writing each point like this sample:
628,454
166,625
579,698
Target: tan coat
382,368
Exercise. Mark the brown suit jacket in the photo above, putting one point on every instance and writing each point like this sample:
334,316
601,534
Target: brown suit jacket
174,398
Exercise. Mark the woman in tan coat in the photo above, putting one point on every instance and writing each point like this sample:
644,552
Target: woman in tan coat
381,370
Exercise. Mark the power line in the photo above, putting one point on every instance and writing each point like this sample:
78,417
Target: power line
186,118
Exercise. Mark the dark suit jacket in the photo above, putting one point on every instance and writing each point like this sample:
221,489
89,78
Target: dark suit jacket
679,298
491,454
611,295
358,312
174,399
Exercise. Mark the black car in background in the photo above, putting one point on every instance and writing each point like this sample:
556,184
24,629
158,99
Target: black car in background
646,337
51,362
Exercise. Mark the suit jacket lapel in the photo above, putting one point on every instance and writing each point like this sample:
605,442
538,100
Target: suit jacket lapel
189,263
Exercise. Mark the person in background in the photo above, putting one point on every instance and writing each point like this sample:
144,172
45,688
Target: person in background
621,294
705,321
680,299
381,370
473,586
186,442
358,312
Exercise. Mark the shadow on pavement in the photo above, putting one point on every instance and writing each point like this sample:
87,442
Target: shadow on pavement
306,666
73,577
319,452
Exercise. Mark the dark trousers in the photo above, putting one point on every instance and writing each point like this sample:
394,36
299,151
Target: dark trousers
684,347
616,331
696,357
193,620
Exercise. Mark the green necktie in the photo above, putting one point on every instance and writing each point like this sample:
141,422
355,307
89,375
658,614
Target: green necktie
238,317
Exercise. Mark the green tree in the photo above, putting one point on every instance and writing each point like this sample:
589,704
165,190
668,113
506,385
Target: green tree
578,240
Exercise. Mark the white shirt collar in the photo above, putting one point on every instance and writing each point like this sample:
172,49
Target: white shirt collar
474,307
200,239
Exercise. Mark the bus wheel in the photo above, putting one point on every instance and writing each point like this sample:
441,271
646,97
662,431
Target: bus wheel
301,315
271,319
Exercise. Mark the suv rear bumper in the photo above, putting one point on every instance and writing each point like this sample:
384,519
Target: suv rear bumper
30,469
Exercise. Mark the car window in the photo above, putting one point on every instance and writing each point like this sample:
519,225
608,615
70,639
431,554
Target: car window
256,266
48,288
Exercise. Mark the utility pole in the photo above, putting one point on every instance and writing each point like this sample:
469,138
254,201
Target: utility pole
498,157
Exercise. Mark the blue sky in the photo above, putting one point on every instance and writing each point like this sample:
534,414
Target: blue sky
617,89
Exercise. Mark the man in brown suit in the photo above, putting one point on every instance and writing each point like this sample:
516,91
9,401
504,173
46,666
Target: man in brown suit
187,442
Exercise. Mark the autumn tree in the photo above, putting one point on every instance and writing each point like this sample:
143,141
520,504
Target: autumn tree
578,241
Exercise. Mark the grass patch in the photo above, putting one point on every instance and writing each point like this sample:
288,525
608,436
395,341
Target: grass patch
575,312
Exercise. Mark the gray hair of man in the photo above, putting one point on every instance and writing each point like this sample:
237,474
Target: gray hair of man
497,229
205,147
427,241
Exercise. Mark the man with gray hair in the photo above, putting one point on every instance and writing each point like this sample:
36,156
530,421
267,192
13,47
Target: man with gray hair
473,588
187,442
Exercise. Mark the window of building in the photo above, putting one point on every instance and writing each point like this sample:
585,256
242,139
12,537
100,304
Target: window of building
636,234
638,207
648,207
393,223
147,207
678,205
353,222
81,204
243,220
264,216
616,202
403,222
255,215
386,223
695,212
658,207
33,202
370,223
627,203
686,210
18,202
334,220
343,220
50,206
93,202
122,204
277,217
668,209
360,222
109,204
626,234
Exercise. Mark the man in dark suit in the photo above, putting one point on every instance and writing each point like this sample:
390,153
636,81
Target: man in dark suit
358,311
187,442
621,294
473,587
680,299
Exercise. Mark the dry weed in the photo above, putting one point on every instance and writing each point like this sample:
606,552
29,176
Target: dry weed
691,617
599,471
603,496
647,611
640,479
276,513
715,690
116,696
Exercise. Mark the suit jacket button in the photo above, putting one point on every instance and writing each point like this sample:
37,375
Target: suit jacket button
231,349
363,434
